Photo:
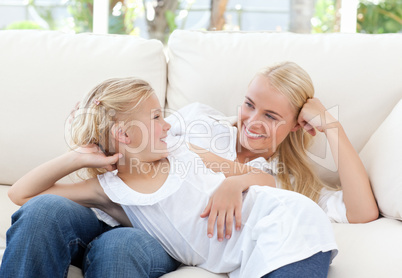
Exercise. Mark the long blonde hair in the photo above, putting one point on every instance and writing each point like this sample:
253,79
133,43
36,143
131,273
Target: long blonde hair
107,103
295,84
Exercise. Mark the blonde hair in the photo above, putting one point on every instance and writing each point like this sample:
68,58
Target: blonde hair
294,83
107,103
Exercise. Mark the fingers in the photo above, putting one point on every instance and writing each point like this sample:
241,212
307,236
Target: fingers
220,225
224,224
238,218
207,209
111,161
219,219
229,224
211,223
312,116
307,127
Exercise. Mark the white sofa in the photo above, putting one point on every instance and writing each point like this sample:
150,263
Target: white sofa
359,77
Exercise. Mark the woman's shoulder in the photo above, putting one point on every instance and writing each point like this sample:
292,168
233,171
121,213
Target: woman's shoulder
198,107
194,114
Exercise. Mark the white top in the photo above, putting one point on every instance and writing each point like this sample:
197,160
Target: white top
208,128
278,226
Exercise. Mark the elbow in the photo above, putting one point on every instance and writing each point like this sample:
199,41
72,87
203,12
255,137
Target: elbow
15,198
373,215
366,217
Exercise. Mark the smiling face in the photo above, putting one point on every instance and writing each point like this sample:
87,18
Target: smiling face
147,131
266,117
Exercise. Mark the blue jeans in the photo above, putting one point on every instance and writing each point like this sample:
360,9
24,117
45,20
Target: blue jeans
315,266
50,232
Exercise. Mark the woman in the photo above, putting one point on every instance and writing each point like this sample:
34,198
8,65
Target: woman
276,122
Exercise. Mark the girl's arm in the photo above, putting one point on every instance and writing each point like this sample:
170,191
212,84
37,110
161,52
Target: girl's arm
226,203
358,196
43,179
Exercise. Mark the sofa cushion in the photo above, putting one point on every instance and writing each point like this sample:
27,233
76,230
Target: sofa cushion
181,272
368,250
43,74
382,157
349,75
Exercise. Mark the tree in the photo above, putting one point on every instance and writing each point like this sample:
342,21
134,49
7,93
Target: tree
384,17
218,8
161,24
301,12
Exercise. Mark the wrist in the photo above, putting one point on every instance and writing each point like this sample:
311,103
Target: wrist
331,127
239,182
74,158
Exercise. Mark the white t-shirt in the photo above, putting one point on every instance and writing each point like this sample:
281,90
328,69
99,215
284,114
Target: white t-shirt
210,129
279,227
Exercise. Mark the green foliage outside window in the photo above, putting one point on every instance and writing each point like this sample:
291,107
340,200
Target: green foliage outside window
324,20
25,25
121,16
82,12
373,17
384,17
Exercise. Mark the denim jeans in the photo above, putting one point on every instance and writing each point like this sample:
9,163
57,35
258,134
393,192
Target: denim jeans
50,232
315,266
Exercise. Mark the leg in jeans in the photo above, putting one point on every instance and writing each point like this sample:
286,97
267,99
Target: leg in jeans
51,232
127,252
47,234
315,266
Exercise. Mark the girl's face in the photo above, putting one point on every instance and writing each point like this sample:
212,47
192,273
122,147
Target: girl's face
147,131
266,117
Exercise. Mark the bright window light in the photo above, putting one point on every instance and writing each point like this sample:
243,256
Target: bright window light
349,16
101,17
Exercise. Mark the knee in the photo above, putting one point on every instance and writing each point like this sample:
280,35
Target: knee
43,208
125,242
127,246
130,251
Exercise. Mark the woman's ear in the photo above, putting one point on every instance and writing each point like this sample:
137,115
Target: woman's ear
296,127
120,135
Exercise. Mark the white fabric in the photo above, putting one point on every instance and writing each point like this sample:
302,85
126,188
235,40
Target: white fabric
208,128
370,250
350,75
356,73
382,157
103,216
278,226
43,74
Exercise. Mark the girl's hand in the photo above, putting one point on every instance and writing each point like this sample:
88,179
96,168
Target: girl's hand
92,157
225,203
314,115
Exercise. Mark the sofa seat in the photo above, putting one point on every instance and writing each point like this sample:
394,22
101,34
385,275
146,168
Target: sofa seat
372,243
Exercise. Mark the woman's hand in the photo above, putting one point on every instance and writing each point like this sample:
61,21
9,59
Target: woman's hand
225,203
314,115
91,156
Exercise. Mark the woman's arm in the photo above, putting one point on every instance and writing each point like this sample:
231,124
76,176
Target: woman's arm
358,196
226,202
43,179
246,173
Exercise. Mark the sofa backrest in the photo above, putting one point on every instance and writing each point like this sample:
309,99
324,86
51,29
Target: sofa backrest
42,76
356,76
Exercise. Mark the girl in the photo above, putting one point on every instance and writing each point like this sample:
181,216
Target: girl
275,125
163,192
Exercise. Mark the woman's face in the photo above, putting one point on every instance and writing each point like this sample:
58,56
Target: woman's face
266,117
